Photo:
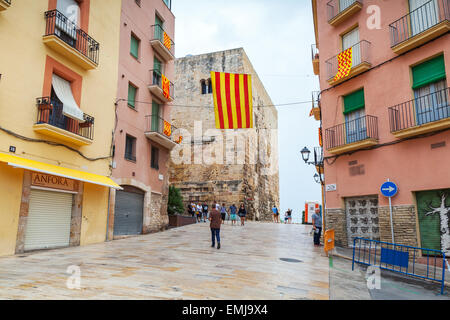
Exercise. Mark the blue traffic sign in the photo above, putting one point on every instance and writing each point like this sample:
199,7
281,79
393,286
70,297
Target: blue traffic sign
389,189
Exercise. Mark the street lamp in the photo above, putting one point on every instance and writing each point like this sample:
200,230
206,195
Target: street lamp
305,154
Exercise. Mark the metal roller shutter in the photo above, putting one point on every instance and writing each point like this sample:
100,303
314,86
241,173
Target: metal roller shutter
49,217
128,214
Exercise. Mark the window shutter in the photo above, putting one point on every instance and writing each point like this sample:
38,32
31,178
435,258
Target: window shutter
354,101
134,49
155,117
428,72
131,95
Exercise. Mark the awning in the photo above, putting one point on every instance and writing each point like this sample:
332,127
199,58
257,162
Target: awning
37,166
64,92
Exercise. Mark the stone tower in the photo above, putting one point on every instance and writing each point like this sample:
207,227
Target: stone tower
224,166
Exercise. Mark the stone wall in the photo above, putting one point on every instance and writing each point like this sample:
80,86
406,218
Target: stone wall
405,230
213,165
336,219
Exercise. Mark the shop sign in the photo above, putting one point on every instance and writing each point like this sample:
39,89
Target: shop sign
53,182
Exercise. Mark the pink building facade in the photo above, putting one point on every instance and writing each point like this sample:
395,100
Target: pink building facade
388,118
143,138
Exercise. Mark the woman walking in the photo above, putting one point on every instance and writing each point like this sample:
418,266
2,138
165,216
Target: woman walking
242,213
223,212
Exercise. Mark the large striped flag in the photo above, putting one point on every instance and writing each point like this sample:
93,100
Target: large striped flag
233,104
345,60
167,41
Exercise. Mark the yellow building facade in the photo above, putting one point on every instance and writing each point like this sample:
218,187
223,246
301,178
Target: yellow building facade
59,71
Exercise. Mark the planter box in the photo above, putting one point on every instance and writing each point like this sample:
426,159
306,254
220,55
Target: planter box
179,221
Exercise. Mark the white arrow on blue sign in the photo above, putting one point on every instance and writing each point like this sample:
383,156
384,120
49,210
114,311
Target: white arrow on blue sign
389,189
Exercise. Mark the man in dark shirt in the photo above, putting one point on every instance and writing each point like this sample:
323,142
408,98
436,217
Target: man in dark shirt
216,220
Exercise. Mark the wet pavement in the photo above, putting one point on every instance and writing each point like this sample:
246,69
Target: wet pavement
257,261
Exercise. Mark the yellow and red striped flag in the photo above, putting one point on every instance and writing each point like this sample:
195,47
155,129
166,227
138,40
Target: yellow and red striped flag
167,41
167,128
233,102
345,60
165,86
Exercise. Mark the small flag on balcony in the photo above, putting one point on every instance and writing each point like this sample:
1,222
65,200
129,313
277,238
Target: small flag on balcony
180,138
345,60
167,41
165,86
167,128
320,137
233,101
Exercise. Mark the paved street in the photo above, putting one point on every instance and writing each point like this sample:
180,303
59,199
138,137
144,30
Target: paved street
178,264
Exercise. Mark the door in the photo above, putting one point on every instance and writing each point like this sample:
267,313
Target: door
128,214
158,71
49,219
432,102
344,4
349,40
355,126
423,15
362,218
159,28
155,117
66,25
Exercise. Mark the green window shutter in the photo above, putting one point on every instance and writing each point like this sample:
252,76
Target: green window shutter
155,117
354,101
158,28
134,48
428,72
131,95
157,65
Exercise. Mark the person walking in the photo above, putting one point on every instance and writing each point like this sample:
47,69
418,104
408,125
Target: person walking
242,213
199,212
205,212
290,216
317,226
190,210
215,219
233,212
223,212
274,213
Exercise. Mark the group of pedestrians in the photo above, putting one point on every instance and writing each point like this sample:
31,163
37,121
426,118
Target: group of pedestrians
276,215
201,212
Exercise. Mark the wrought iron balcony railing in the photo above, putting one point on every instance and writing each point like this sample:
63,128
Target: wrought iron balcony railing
159,125
335,7
59,25
158,34
422,110
50,111
360,54
156,80
356,130
316,99
419,20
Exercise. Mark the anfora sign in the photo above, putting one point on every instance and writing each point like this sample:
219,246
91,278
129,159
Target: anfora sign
53,182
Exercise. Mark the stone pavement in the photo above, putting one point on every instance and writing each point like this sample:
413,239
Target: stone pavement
178,264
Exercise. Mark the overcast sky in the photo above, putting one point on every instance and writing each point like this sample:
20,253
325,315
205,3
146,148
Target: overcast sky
277,37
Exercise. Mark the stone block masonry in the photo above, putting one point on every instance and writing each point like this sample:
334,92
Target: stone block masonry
225,166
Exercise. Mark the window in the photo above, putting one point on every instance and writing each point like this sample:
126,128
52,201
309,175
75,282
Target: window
134,47
159,28
130,148
424,15
355,121
349,40
155,158
138,2
66,29
430,94
158,70
132,93
168,3
206,86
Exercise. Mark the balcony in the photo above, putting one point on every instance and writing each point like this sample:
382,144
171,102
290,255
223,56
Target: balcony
316,105
156,87
352,135
422,115
52,122
157,132
315,59
4,4
420,26
162,44
360,63
64,37
341,10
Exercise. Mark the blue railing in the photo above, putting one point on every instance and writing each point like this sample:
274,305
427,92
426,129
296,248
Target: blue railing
400,258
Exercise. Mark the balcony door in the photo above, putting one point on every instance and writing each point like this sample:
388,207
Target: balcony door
344,4
355,126
159,28
158,71
156,112
423,14
432,102
66,24
349,40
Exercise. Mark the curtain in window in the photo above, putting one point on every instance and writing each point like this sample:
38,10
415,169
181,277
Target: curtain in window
349,40
423,15
64,93
66,26
432,102
344,4
355,126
